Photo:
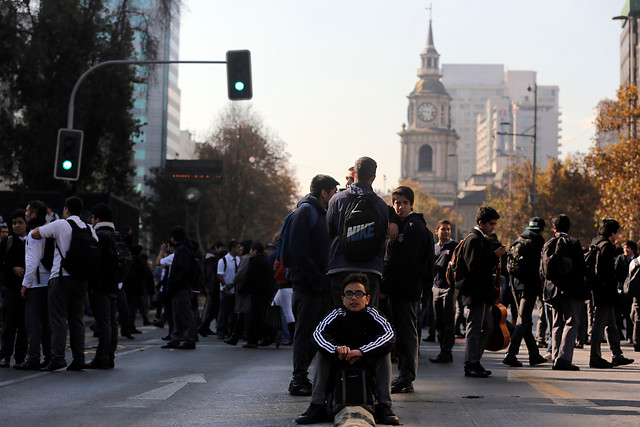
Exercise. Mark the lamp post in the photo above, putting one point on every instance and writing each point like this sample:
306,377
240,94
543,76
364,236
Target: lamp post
533,197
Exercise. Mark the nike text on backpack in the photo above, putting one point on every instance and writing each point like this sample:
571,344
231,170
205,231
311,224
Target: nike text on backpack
631,285
456,269
83,259
556,263
591,259
283,251
359,240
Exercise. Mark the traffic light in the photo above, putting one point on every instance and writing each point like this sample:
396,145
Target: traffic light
68,154
239,75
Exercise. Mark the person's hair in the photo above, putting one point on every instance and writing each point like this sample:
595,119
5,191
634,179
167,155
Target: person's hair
74,205
631,245
356,278
136,250
322,182
39,208
405,191
442,222
178,233
486,214
608,226
561,223
103,212
539,221
258,247
218,244
365,169
18,213
233,244
246,246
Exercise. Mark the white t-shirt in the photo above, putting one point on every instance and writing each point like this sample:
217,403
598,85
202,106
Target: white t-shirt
61,231
230,271
34,251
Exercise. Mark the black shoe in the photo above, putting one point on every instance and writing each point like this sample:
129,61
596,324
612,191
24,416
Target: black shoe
54,366
542,344
136,331
5,362
636,348
314,414
27,366
537,360
459,335
600,363
485,370
300,387
231,341
621,360
430,338
76,365
146,323
564,365
251,345
171,344
402,387
442,358
157,323
266,342
512,360
475,373
186,346
278,339
131,337
166,338
203,333
384,415
98,364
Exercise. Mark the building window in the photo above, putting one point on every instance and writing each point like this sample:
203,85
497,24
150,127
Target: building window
425,158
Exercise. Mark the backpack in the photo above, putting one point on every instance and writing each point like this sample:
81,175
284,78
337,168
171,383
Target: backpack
456,270
359,240
49,249
591,258
631,285
283,243
519,258
556,263
353,387
123,257
83,259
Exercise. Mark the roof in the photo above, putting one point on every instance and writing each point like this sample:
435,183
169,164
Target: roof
430,86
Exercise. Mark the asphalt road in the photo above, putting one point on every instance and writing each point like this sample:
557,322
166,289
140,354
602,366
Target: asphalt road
221,385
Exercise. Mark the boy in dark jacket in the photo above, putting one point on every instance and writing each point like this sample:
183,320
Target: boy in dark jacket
354,334
403,284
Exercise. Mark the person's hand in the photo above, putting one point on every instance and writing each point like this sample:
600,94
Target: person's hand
343,351
393,232
163,247
23,292
354,356
501,251
18,271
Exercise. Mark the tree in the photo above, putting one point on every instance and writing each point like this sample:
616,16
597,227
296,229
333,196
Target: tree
257,189
564,187
44,50
616,165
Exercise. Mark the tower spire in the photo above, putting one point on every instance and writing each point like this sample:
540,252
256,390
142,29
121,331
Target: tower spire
429,56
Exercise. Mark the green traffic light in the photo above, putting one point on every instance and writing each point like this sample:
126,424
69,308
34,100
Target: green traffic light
239,86
67,164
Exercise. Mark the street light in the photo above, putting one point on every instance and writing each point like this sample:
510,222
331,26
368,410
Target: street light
533,197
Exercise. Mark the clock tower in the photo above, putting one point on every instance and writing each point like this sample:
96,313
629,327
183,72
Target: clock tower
428,143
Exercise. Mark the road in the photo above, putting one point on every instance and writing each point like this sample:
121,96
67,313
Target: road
221,385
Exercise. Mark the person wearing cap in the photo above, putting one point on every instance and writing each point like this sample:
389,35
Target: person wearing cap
527,287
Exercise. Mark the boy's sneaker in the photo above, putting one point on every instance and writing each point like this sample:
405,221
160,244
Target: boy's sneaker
600,363
512,360
300,387
384,415
621,360
314,414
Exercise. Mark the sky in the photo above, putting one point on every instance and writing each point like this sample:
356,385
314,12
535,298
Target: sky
331,78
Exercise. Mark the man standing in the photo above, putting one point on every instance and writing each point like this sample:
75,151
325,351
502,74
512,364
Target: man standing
403,284
477,288
524,265
565,291
179,285
38,261
444,296
103,290
366,234
309,249
211,283
66,292
14,338
605,298
227,269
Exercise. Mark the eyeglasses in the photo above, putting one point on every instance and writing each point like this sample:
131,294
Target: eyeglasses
357,294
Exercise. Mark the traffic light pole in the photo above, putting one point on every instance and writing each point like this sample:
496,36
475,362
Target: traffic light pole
70,111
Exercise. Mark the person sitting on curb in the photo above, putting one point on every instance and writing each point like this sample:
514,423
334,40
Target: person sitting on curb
357,335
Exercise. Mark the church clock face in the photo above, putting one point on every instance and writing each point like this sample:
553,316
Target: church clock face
426,111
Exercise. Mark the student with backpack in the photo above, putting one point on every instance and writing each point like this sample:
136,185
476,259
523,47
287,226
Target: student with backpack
523,265
77,254
356,336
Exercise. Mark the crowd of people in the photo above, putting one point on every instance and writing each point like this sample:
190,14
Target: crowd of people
350,282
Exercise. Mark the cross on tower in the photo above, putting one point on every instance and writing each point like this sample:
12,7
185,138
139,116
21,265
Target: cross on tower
430,9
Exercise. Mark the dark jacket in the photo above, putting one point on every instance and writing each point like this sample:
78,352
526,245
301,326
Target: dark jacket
9,258
605,269
180,272
442,254
406,260
309,247
106,282
480,260
335,219
259,280
575,285
366,330
622,269
531,281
